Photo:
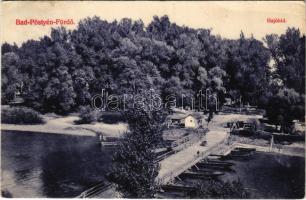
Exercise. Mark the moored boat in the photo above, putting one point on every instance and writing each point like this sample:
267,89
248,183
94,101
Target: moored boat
245,149
207,172
217,162
216,165
241,154
200,175
178,187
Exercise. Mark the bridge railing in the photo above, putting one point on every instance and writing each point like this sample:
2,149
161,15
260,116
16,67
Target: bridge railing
181,144
94,190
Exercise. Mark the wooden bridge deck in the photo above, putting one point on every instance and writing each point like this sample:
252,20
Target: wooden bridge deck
176,164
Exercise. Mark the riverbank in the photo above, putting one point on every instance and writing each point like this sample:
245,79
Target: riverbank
65,125
284,149
290,149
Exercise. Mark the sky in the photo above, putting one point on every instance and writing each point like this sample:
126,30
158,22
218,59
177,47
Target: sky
226,19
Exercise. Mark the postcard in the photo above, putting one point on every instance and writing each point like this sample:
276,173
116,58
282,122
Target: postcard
153,99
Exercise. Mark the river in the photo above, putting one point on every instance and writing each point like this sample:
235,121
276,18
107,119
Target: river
50,165
271,175
263,176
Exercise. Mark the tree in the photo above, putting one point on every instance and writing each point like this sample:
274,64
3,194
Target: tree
134,166
284,107
134,169
247,68
211,107
6,47
82,78
11,81
220,189
288,53
49,65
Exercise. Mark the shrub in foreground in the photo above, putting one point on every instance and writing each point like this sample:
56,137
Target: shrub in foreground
21,115
220,189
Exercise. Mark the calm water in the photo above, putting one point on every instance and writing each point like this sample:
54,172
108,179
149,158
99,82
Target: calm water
50,165
269,175
265,175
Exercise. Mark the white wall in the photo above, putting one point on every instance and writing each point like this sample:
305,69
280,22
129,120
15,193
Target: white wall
191,122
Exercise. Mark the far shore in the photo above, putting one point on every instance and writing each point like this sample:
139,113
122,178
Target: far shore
65,125
17,128
289,150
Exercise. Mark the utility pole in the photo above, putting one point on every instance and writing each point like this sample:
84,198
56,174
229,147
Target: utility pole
271,142
240,103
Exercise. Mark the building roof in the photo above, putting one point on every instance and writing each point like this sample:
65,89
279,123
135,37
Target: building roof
179,116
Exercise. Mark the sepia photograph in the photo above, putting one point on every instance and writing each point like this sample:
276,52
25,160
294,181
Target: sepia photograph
153,99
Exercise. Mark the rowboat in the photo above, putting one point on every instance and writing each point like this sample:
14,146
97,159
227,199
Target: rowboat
241,154
178,187
200,175
217,165
207,172
243,149
217,162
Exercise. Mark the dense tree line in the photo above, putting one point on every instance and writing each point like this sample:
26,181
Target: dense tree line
63,71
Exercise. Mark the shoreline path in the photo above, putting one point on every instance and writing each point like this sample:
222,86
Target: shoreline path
65,125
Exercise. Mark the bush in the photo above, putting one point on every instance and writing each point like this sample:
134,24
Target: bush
111,117
20,115
87,115
220,189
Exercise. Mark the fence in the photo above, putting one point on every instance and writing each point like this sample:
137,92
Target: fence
181,144
187,141
94,190
163,156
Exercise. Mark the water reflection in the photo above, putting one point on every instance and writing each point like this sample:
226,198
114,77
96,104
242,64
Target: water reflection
50,165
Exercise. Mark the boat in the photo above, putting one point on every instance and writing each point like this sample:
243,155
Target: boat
200,175
217,162
109,144
213,167
207,172
214,164
242,157
178,187
244,149
242,154
109,141
196,167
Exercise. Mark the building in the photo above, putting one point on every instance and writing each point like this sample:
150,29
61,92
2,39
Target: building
185,120
17,100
